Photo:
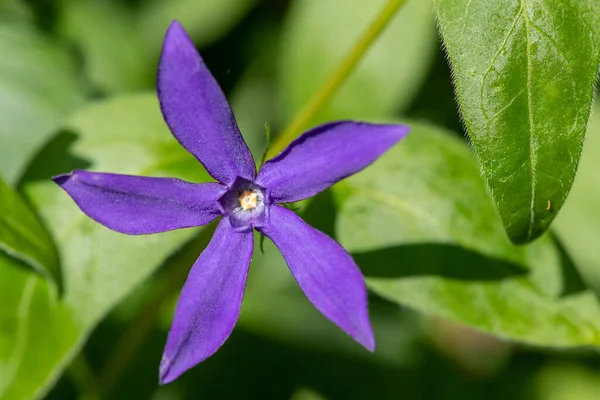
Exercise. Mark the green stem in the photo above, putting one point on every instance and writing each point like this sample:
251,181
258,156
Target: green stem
326,92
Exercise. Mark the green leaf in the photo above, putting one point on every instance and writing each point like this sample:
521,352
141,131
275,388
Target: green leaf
99,266
578,224
16,10
318,34
205,21
38,87
566,380
524,72
420,225
37,333
112,49
22,236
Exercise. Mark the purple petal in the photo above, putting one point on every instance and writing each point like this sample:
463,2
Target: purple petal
209,304
139,205
325,155
197,111
325,272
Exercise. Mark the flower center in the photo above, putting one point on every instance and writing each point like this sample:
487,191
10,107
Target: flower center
248,200
244,205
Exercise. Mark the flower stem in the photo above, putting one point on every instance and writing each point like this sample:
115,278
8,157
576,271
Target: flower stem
326,92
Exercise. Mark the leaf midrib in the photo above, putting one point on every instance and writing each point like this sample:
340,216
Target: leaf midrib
532,153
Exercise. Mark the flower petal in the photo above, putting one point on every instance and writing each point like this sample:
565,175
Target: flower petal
197,111
139,205
210,302
325,272
325,155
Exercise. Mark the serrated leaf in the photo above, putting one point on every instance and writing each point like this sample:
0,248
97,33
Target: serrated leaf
319,34
420,225
578,224
524,72
113,54
38,88
99,266
22,236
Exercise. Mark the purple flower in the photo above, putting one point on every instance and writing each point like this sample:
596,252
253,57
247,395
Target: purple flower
197,113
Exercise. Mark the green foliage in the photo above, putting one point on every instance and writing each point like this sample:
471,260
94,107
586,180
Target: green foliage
451,296
14,10
99,267
120,46
22,235
36,318
110,43
578,224
524,73
205,20
38,87
271,293
420,225
318,34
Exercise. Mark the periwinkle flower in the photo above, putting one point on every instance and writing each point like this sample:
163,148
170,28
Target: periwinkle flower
200,118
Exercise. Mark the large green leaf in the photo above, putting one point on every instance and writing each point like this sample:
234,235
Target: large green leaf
578,224
420,224
38,87
22,235
111,46
318,34
524,72
99,266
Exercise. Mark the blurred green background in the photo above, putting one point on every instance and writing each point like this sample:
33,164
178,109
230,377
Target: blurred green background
86,68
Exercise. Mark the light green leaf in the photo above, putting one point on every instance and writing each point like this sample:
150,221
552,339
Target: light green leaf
578,224
23,237
567,380
37,332
205,21
421,226
524,72
38,87
99,266
317,36
112,49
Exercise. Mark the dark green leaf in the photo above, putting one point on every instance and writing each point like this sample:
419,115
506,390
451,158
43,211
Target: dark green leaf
99,266
22,235
524,73
320,33
38,87
420,225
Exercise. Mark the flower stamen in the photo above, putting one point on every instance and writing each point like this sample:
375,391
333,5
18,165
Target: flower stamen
248,200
